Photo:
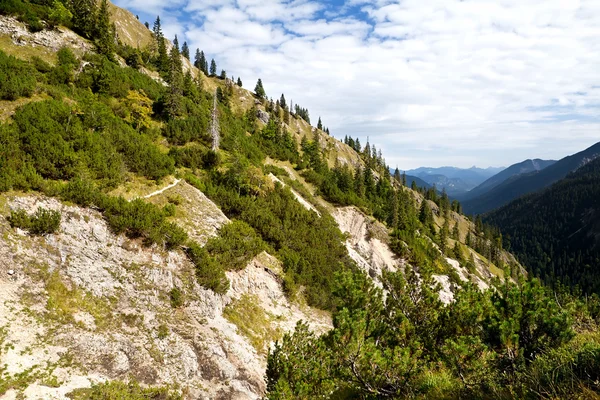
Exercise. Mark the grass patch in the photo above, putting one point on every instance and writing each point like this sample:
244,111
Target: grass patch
64,302
123,390
26,52
252,322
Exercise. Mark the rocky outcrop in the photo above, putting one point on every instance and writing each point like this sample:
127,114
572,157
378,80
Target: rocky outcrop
84,305
365,241
52,39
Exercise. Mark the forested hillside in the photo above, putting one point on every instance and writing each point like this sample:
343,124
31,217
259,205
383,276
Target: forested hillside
163,230
556,232
520,185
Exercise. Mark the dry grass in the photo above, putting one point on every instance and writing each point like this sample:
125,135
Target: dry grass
252,322
26,52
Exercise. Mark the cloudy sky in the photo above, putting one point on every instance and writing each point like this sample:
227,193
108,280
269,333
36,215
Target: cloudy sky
431,82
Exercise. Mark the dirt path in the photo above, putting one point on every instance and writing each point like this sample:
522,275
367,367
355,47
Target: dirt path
163,189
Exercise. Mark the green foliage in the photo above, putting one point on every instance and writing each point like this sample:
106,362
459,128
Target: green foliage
29,12
235,246
176,297
209,272
408,344
311,247
259,90
42,222
121,390
17,78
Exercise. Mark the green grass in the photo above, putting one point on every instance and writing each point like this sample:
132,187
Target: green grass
252,322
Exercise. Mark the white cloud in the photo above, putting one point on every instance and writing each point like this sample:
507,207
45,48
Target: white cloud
519,77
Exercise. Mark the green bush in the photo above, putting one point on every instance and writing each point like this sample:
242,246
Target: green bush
209,272
42,222
235,246
17,78
124,391
176,297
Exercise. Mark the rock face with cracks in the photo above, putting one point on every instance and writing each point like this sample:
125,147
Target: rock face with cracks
84,305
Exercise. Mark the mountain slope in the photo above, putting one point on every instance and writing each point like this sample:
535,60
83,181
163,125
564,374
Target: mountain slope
523,167
520,185
139,261
556,232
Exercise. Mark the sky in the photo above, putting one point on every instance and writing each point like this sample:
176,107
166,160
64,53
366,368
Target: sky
430,82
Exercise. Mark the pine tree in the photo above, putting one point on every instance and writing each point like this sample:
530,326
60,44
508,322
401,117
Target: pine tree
105,41
185,50
239,82
84,17
200,62
259,90
320,124
174,97
397,176
163,62
223,74
282,102
213,67
176,43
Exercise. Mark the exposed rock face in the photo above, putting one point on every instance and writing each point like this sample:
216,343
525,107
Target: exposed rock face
364,242
263,116
85,305
50,39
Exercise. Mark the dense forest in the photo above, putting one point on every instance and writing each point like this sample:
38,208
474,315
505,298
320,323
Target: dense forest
556,232
90,125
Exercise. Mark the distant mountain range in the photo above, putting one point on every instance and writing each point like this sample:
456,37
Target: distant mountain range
500,192
456,181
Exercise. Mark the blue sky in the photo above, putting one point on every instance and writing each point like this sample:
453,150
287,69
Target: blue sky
431,82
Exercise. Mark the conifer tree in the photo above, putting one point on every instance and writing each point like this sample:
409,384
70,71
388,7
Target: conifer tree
397,176
404,178
223,74
84,17
282,102
320,124
163,57
239,82
213,67
259,90
185,50
174,97
200,62
105,33
176,43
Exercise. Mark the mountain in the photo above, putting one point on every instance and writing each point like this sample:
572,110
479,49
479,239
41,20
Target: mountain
453,186
520,185
162,227
167,234
418,181
456,181
523,167
556,231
